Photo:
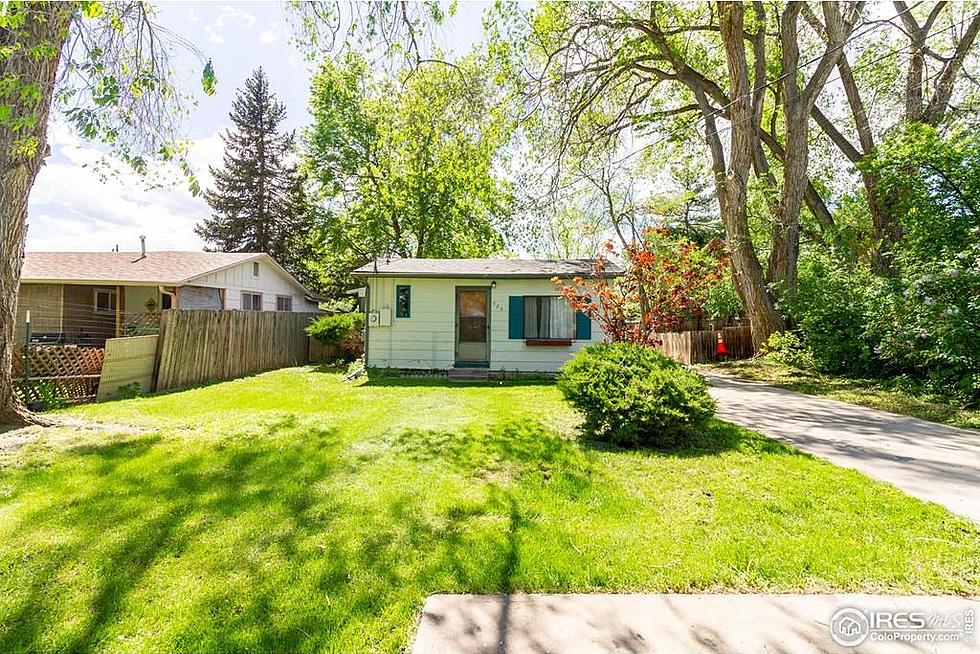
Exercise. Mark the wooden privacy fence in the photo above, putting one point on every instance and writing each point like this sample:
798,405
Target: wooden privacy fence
702,346
57,373
198,346
322,351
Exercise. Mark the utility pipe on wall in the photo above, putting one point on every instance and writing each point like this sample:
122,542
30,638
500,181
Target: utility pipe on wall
172,294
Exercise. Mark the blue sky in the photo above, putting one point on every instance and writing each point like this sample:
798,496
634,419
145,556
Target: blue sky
76,205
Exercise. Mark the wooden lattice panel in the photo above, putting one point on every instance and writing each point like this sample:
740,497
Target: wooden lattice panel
63,373
57,392
59,361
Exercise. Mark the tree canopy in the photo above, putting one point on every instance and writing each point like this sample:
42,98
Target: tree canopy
406,169
259,202
759,89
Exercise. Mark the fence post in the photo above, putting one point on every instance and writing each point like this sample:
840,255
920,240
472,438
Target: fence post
27,350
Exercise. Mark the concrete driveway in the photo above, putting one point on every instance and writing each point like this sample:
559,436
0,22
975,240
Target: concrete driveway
925,459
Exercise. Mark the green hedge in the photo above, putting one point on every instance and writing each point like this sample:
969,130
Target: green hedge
342,330
634,396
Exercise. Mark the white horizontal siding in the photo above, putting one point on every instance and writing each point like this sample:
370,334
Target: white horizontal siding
427,339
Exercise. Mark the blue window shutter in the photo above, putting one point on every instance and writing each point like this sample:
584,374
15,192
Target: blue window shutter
515,319
583,327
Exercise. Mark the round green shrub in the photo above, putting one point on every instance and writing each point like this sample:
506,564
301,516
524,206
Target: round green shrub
341,330
634,396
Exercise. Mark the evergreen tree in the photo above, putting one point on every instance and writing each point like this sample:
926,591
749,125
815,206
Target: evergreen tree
258,202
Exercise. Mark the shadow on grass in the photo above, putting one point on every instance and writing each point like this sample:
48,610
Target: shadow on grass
716,437
192,387
279,538
524,443
243,544
386,379
335,367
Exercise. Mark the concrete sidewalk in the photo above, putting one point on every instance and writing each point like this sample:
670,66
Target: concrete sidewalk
593,624
925,459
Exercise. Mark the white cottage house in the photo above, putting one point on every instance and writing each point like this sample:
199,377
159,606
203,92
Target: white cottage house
498,314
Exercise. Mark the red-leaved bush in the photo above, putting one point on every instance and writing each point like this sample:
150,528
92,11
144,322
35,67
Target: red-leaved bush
665,281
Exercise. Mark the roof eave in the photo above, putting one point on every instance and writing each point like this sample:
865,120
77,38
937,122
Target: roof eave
606,275
97,282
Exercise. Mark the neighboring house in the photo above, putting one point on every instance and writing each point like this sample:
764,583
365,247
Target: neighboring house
86,297
505,315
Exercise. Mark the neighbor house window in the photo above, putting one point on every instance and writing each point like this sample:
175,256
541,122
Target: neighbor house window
255,268
403,301
252,301
284,303
548,317
105,300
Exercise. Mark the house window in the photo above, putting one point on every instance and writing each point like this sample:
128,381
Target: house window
284,303
105,300
251,301
403,301
255,269
548,317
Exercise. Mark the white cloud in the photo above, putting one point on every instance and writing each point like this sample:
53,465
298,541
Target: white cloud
77,204
293,60
229,14
270,36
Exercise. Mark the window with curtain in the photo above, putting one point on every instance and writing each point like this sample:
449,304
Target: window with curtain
548,317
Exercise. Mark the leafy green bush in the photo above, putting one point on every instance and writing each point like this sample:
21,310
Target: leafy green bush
129,391
833,307
633,396
43,396
787,348
723,301
342,330
928,327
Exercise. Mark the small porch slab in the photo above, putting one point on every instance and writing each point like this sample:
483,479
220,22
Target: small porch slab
468,374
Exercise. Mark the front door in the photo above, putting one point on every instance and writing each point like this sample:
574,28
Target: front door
472,326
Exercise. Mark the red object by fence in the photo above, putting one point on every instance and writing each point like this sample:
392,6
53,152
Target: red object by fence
720,348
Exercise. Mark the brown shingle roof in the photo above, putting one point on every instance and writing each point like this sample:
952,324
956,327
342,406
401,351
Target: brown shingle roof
520,268
160,267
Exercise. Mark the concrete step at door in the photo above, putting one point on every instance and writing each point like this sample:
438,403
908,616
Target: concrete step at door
469,374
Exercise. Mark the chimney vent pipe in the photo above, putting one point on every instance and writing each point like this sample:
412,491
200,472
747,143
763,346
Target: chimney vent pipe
142,249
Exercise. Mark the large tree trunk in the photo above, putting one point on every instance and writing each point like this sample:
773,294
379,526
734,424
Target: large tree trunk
785,245
732,181
22,151
797,103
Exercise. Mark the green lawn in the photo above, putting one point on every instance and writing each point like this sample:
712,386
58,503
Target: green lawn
291,512
876,394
